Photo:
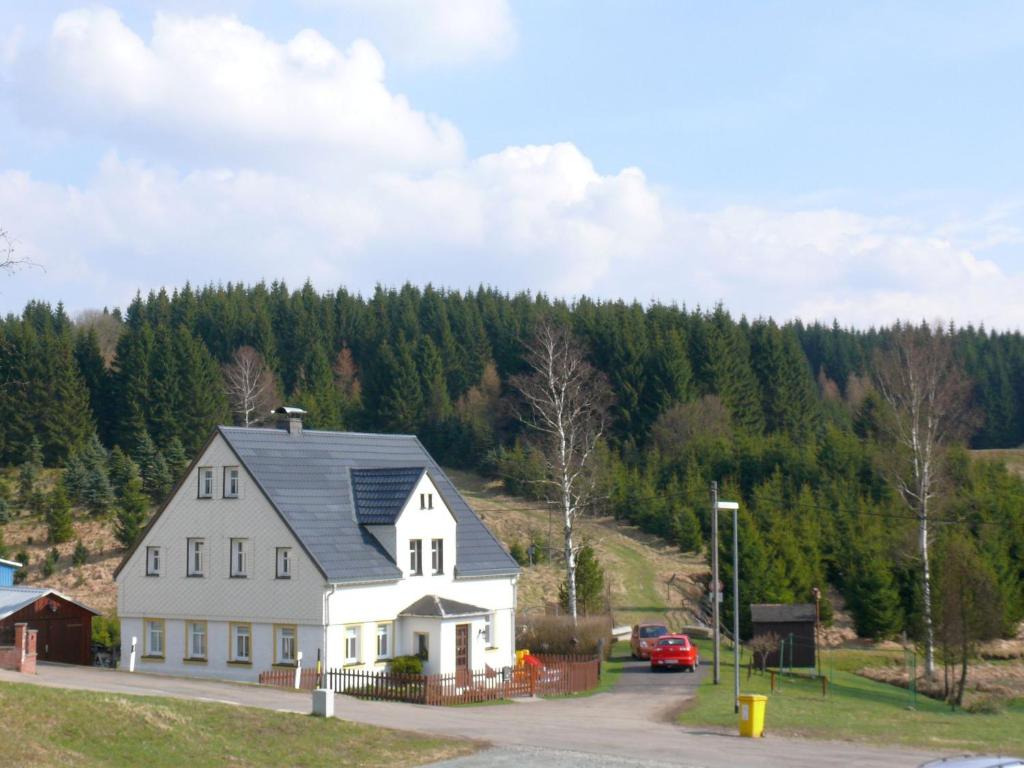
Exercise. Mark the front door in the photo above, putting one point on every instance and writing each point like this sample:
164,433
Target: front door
462,674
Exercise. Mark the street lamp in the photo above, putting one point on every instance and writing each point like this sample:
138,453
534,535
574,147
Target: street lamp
735,507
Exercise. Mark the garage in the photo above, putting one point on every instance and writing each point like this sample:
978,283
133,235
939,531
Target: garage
64,625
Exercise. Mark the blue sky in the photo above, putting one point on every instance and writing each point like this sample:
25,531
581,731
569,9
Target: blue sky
858,161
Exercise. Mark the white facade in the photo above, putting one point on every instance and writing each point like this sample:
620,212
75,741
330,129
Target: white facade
197,604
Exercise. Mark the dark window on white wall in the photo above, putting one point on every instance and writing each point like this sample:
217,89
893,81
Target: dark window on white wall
231,482
152,561
206,482
284,562
196,557
239,559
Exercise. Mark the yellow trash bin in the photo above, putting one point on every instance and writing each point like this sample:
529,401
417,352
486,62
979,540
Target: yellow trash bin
752,707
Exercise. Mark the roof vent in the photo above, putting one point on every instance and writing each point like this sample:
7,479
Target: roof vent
292,421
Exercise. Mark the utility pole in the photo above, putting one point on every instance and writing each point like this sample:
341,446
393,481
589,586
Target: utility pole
714,572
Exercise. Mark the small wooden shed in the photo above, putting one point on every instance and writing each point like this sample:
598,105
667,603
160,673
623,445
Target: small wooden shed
7,569
794,621
64,625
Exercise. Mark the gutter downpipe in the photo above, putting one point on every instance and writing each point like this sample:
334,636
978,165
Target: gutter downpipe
327,619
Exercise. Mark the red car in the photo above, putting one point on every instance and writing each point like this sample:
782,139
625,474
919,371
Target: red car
674,651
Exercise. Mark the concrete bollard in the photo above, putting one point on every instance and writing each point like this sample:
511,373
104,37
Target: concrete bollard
323,702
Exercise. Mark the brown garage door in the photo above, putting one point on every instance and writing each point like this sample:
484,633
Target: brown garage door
62,640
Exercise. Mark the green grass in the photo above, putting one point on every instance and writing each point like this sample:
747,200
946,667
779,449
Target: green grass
642,598
857,709
43,726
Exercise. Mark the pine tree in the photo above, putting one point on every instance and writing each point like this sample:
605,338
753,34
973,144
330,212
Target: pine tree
131,514
589,583
28,475
81,554
58,516
121,470
156,477
177,459
95,490
401,404
687,535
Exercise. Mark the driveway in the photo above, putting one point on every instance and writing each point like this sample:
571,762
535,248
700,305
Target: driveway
622,728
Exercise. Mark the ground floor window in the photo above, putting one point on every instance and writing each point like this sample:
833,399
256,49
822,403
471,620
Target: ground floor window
195,639
351,645
285,644
241,642
384,640
153,638
421,644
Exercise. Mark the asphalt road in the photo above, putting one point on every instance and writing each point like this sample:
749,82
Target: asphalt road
630,726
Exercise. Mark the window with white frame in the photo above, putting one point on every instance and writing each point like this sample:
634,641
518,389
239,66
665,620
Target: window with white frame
206,482
284,562
153,638
195,639
241,642
152,561
437,556
416,557
239,560
351,645
489,630
196,557
384,640
231,482
284,644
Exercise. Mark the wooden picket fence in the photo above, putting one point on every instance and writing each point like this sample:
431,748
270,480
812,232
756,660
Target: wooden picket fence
559,675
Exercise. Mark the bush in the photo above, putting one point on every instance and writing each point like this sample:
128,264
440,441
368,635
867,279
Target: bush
81,554
50,563
518,552
22,573
556,634
985,705
406,665
106,631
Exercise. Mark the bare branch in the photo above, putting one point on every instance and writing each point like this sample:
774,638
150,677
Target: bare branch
250,385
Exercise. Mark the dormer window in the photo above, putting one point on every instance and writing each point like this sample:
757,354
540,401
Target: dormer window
231,482
206,482
426,501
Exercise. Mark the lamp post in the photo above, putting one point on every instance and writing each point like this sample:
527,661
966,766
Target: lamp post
817,623
735,507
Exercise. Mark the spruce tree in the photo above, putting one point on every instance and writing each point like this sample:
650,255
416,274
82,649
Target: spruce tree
121,470
131,513
81,554
177,459
401,404
589,583
58,516
156,477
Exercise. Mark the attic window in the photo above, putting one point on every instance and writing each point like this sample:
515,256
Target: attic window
231,482
206,482
426,501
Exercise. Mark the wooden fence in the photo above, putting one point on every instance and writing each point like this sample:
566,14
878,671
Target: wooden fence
559,675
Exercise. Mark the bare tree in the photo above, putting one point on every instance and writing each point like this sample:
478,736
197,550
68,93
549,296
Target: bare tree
250,385
928,399
9,261
567,403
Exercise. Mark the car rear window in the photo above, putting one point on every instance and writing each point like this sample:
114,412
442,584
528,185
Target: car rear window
653,631
674,641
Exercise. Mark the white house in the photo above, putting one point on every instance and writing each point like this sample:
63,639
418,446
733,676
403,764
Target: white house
351,548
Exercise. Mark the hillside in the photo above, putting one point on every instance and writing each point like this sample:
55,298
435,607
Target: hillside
637,565
1012,457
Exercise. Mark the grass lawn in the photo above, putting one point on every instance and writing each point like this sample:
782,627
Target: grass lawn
44,726
857,709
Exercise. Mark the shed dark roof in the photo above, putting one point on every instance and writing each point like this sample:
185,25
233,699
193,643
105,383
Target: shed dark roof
775,613
380,494
432,606
307,477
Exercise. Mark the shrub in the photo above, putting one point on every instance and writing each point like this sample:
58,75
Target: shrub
518,552
81,553
106,630
985,705
406,665
22,573
556,634
50,562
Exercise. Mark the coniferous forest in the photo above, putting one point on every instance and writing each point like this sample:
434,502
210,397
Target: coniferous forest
785,417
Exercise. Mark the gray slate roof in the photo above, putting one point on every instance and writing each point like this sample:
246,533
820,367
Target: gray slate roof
432,606
775,612
380,494
306,476
13,599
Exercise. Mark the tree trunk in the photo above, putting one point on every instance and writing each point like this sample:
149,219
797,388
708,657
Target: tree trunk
926,588
570,572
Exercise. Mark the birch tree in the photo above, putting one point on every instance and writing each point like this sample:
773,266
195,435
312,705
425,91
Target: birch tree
250,385
567,403
928,398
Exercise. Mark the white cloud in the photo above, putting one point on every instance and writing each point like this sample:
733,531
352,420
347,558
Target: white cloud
224,88
431,32
301,163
